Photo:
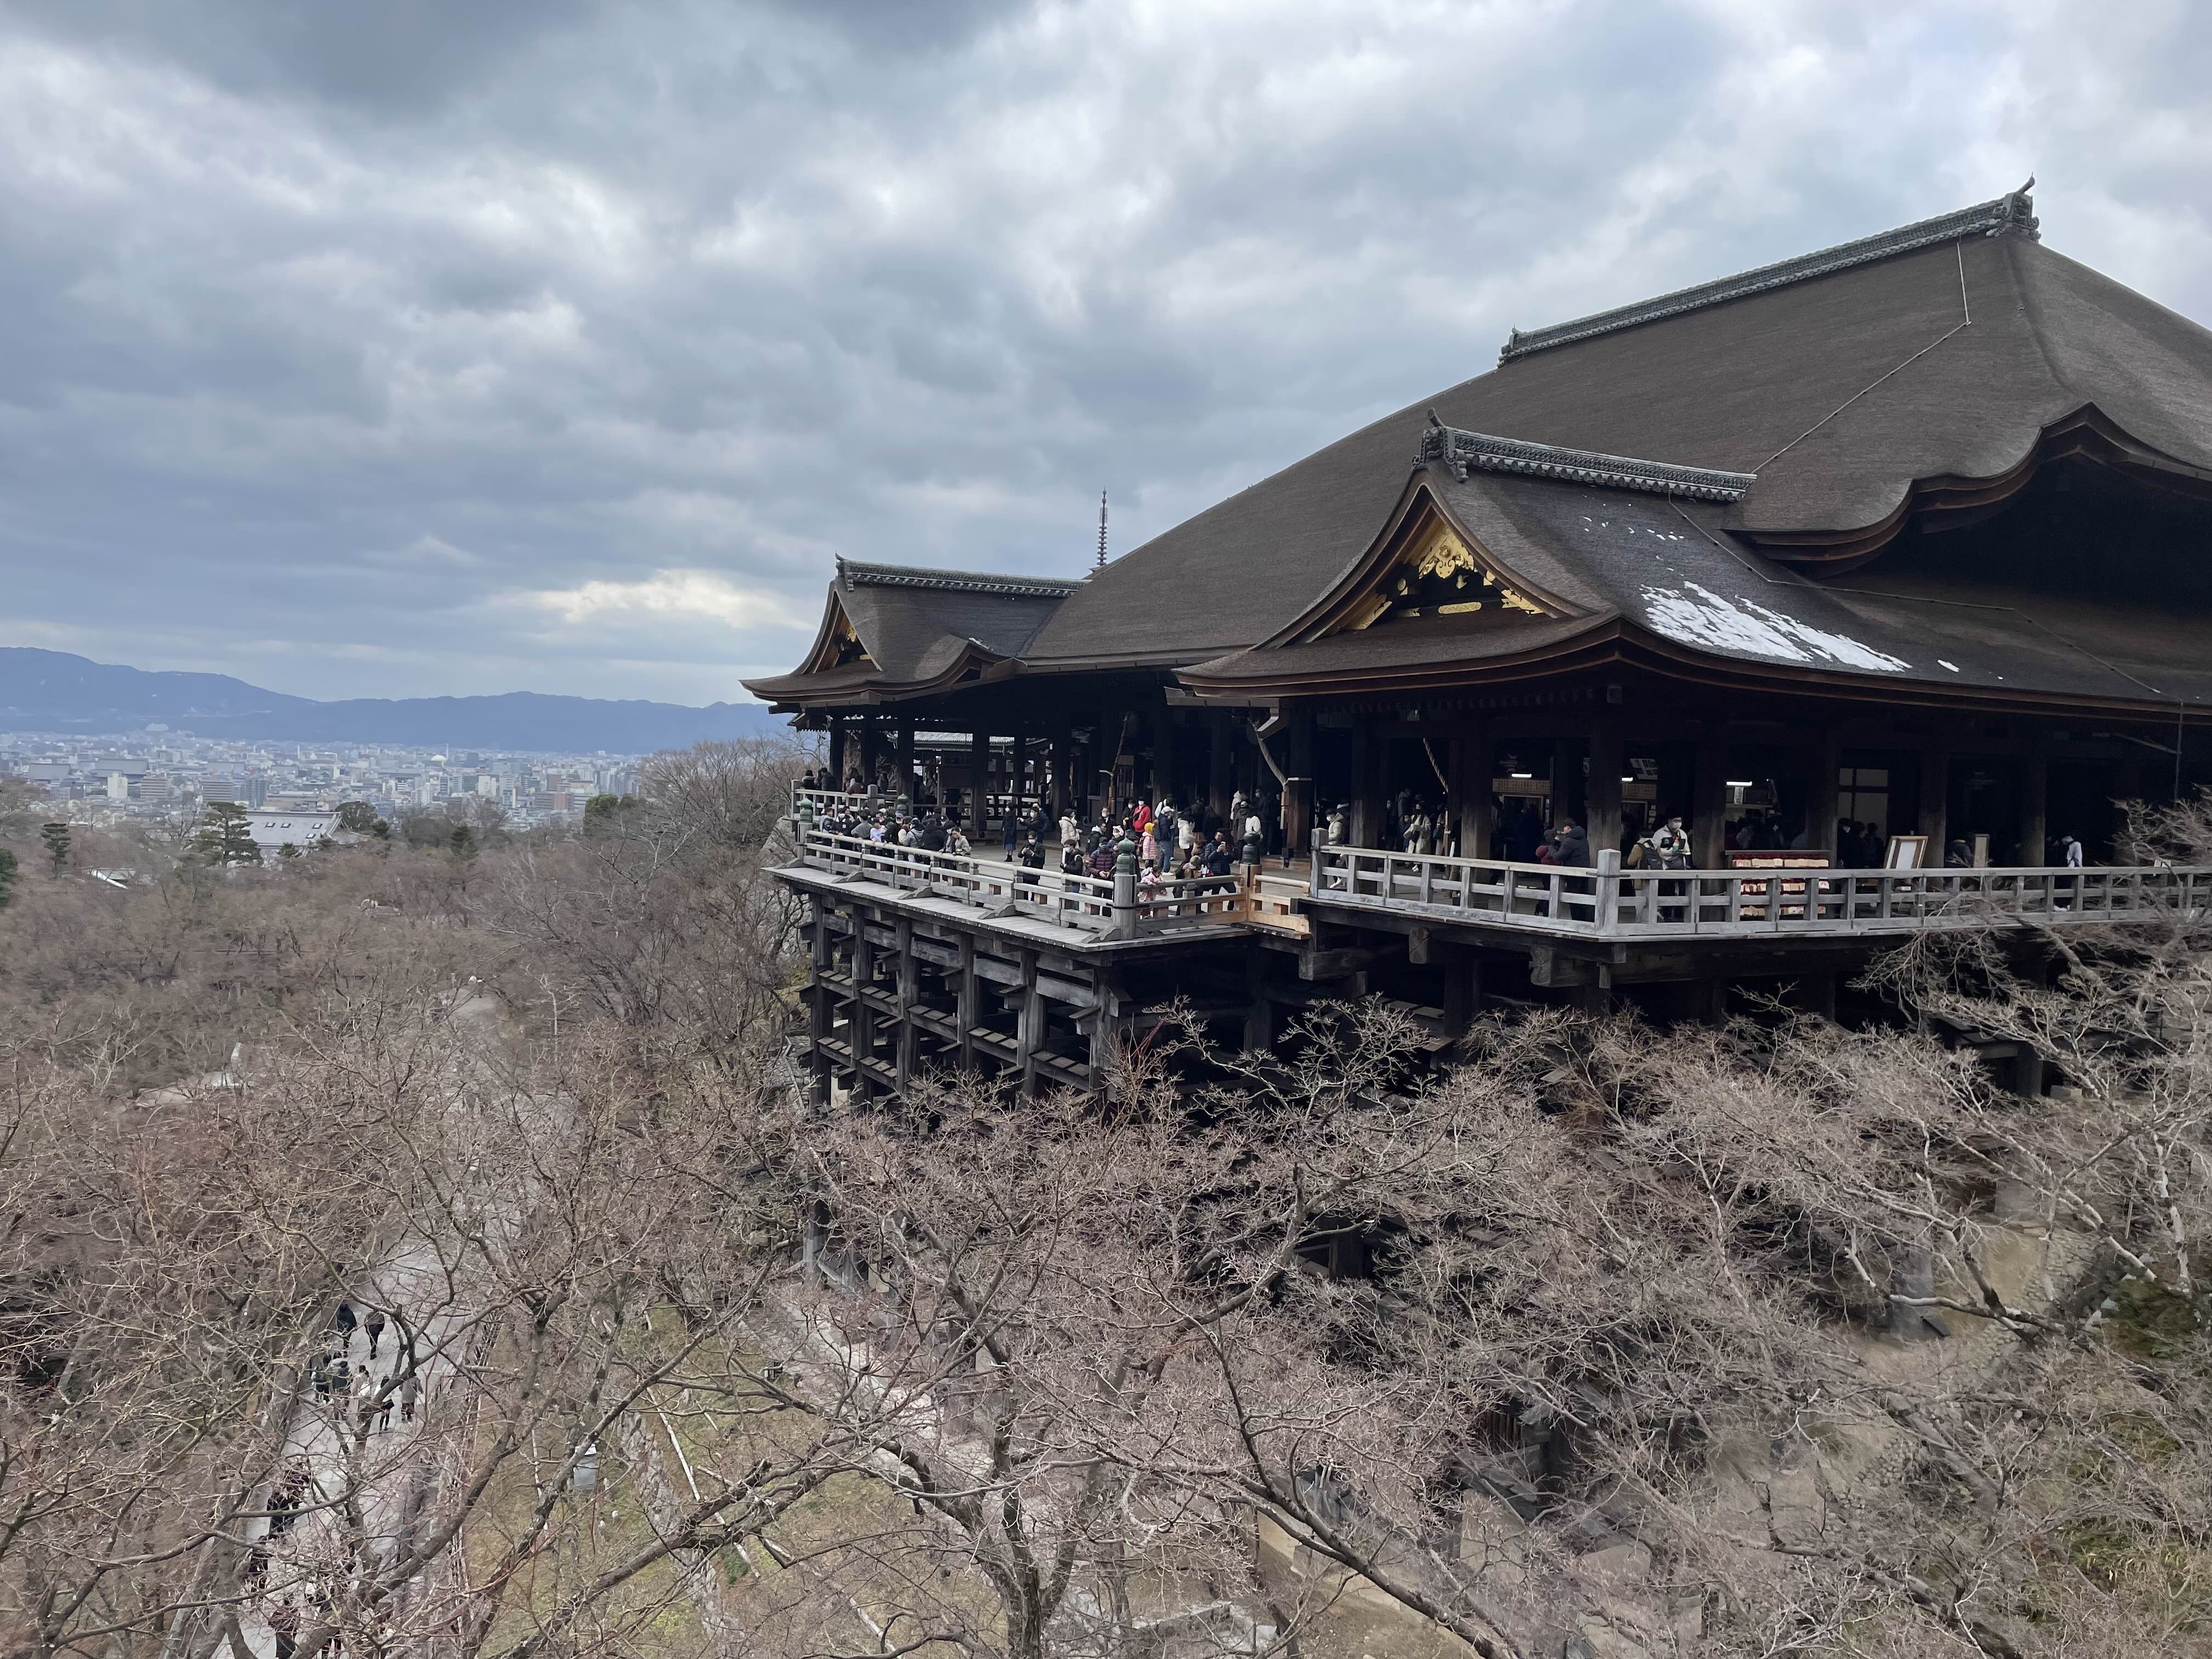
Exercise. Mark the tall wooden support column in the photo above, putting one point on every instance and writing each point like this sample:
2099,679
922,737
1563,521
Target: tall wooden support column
2034,810
1218,759
1606,762
1473,772
1163,752
1708,802
1298,741
1017,786
837,769
1258,1011
1029,1024
1463,991
1935,802
979,784
872,749
862,1028
909,989
1063,768
903,759
1104,1025
1822,800
819,1008
1567,798
966,1012
1366,826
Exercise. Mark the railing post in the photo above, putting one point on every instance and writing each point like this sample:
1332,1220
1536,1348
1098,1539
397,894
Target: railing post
1125,890
1607,894
1312,881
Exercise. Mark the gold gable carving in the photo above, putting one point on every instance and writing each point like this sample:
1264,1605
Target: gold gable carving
1437,574
841,648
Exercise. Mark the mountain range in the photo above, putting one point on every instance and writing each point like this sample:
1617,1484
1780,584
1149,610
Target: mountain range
56,691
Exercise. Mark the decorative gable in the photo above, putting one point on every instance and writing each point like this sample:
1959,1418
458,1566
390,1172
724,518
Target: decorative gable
838,644
1437,575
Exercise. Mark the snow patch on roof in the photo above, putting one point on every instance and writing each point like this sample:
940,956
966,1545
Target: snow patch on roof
1697,616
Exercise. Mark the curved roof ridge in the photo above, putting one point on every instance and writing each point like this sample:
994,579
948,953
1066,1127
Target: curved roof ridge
2014,212
1457,450
858,574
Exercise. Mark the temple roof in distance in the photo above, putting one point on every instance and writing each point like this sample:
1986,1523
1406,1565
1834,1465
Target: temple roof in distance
1791,422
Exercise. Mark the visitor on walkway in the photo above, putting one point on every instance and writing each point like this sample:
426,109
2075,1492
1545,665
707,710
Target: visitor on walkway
372,1322
1670,845
342,1323
1572,847
411,1390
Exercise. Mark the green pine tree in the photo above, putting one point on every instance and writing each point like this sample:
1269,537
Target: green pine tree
464,842
57,838
226,835
7,877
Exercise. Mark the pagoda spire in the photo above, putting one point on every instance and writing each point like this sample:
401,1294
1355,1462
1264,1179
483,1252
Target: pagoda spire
1100,565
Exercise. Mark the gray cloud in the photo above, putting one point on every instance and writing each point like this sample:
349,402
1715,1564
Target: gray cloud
411,348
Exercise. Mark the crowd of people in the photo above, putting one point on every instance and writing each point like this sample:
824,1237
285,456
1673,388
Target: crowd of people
1176,844
1171,843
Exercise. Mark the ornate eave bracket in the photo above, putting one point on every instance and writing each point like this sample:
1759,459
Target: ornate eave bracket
1460,453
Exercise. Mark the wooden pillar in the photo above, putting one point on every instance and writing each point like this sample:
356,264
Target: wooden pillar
872,749
837,725
1816,994
1029,1024
1473,772
1103,1028
1163,753
1366,826
1063,767
1258,1011
1605,760
1821,808
2034,810
1463,991
1935,802
979,783
819,1008
965,1012
863,1026
908,989
903,759
1567,780
1708,802
1218,787
1298,741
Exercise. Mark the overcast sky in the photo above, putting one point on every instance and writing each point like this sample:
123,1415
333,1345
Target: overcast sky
430,346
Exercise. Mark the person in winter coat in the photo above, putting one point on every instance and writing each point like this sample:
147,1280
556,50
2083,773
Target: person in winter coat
343,1322
411,1390
373,1322
1573,848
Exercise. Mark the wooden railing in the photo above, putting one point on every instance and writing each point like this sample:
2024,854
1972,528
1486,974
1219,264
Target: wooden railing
1116,907
1619,904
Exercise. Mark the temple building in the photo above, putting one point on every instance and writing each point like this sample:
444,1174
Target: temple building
1891,561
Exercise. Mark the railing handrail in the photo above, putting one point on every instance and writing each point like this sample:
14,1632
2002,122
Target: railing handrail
1602,900
1584,900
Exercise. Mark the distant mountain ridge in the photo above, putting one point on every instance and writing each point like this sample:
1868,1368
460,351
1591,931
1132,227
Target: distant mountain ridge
58,692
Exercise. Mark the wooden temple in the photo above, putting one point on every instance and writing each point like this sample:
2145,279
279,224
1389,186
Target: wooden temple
1889,567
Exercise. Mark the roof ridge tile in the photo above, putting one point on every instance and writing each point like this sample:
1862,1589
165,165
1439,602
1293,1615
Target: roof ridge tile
1458,451
858,575
2010,213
